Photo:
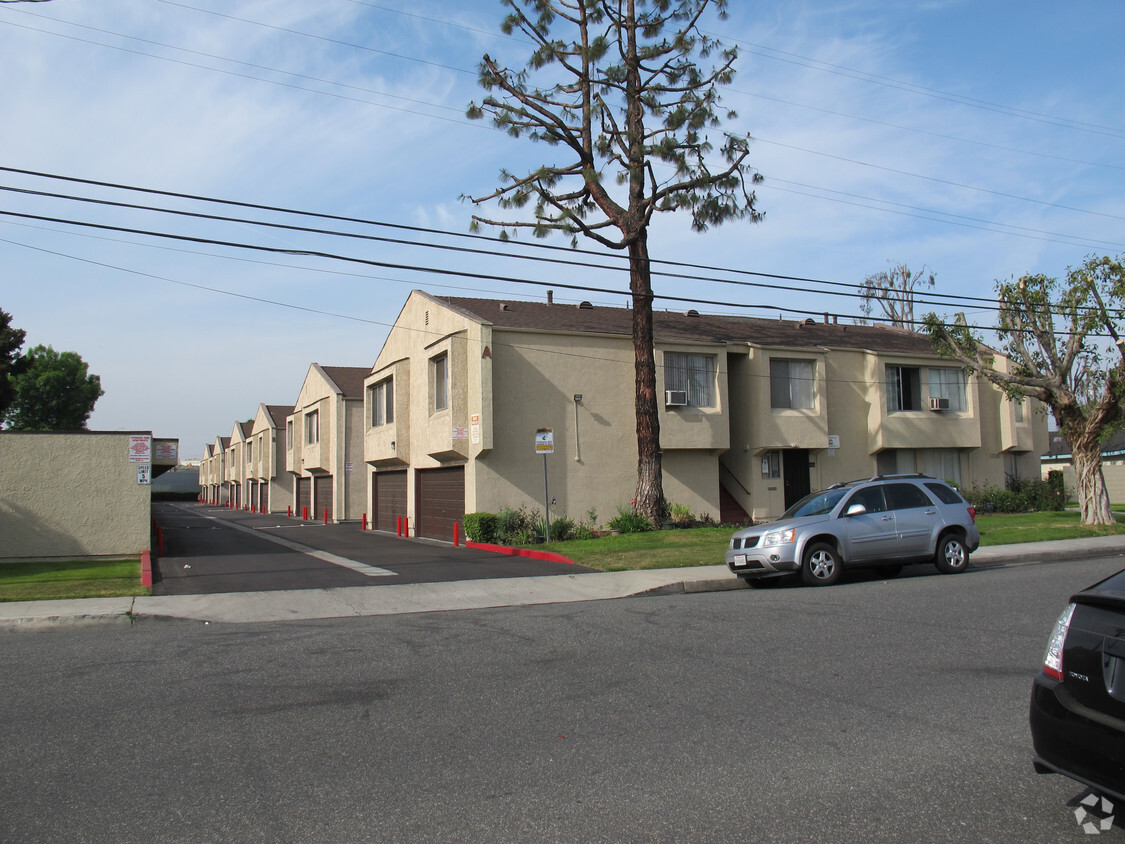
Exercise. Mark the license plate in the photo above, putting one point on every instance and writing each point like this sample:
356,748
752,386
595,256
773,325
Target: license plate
740,559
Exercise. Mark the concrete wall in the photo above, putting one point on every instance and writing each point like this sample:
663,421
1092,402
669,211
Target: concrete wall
70,496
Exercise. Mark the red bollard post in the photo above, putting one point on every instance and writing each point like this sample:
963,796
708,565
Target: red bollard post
363,522
326,516
456,533
304,514
289,512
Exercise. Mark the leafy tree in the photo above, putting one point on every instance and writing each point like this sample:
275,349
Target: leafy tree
894,290
1067,366
55,393
614,88
12,363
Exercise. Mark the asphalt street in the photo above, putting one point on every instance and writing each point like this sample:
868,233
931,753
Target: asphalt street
877,710
211,550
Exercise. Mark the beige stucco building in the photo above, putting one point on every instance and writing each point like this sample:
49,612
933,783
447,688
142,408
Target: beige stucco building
78,494
269,486
234,466
212,471
754,412
324,444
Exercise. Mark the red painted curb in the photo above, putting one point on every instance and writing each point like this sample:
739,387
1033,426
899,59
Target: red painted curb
146,569
548,556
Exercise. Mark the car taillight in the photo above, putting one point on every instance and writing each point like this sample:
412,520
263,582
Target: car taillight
973,514
1053,658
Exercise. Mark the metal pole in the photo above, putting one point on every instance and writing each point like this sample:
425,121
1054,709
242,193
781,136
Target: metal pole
546,500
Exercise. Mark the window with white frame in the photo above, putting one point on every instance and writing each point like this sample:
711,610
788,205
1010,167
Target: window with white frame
382,400
904,390
693,374
948,383
288,434
792,383
439,368
312,427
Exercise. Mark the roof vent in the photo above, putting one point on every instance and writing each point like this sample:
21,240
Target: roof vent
504,306
805,322
692,312
585,306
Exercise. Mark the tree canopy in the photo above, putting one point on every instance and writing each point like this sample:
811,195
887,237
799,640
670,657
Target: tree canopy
1063,346
55,392
615,88
12,363
894,291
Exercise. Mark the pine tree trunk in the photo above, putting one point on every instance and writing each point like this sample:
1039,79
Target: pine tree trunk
1093,497
649,499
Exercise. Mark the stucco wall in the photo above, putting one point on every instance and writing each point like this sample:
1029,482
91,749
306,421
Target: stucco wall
70,495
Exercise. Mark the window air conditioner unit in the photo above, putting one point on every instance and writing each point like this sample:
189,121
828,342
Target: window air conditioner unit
675,398
939,404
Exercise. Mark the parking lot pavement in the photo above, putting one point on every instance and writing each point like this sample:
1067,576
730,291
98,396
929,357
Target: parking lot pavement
210,550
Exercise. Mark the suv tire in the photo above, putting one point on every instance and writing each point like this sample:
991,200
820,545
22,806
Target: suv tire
952,556
821,565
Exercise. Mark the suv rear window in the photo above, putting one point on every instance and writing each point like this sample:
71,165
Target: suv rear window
905,497
945,494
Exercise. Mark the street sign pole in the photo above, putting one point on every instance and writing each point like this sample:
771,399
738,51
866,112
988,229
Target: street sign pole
545,444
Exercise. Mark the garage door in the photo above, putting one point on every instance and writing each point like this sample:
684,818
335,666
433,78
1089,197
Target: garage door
441,502
322,492
388,499
304,497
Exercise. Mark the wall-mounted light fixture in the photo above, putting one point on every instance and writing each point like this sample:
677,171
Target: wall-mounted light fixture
392,445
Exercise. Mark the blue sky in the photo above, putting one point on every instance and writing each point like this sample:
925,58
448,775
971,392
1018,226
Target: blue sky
982,140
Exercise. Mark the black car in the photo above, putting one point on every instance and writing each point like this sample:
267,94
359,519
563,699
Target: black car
1078,699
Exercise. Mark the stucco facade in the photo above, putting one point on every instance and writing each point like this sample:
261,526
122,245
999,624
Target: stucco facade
76,495
270,487
755,412
324,444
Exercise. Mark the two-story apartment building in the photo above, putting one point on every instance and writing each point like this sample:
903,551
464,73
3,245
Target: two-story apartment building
269,486
212,471
324,444
235,464
754,412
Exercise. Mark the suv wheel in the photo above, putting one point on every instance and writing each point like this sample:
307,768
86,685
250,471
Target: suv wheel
821,566
952,556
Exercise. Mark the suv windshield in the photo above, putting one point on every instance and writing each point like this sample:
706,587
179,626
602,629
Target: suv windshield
816,504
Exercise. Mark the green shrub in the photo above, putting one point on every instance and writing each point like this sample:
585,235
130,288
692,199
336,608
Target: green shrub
680,515
562,529
481,527
1030,495
628,521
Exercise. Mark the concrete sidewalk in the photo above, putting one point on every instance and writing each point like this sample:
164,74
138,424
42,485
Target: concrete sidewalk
246,607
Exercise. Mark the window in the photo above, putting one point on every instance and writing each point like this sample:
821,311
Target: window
288,434
904,390
312,427
791,383
381,397
871,497
941,463
250,452
693,374
771,464
1017,408
906,497
440,368
948,383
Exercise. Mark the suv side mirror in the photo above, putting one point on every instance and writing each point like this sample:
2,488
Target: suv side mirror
856,510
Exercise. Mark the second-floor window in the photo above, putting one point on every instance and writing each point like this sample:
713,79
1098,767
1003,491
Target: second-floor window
312,427
948,383
693,374
440,369
382,397
289,435
792,383
904,388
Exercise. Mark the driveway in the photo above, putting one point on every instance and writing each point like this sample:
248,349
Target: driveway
212,549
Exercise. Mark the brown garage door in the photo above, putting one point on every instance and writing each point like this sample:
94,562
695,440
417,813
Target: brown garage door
441,502
322,496
304,497
388,500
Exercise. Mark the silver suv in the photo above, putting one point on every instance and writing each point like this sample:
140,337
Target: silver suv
883,521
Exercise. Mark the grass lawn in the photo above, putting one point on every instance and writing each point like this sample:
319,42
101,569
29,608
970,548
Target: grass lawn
45,581
707,546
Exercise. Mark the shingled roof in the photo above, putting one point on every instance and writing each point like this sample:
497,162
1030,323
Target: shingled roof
670,326
348,378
